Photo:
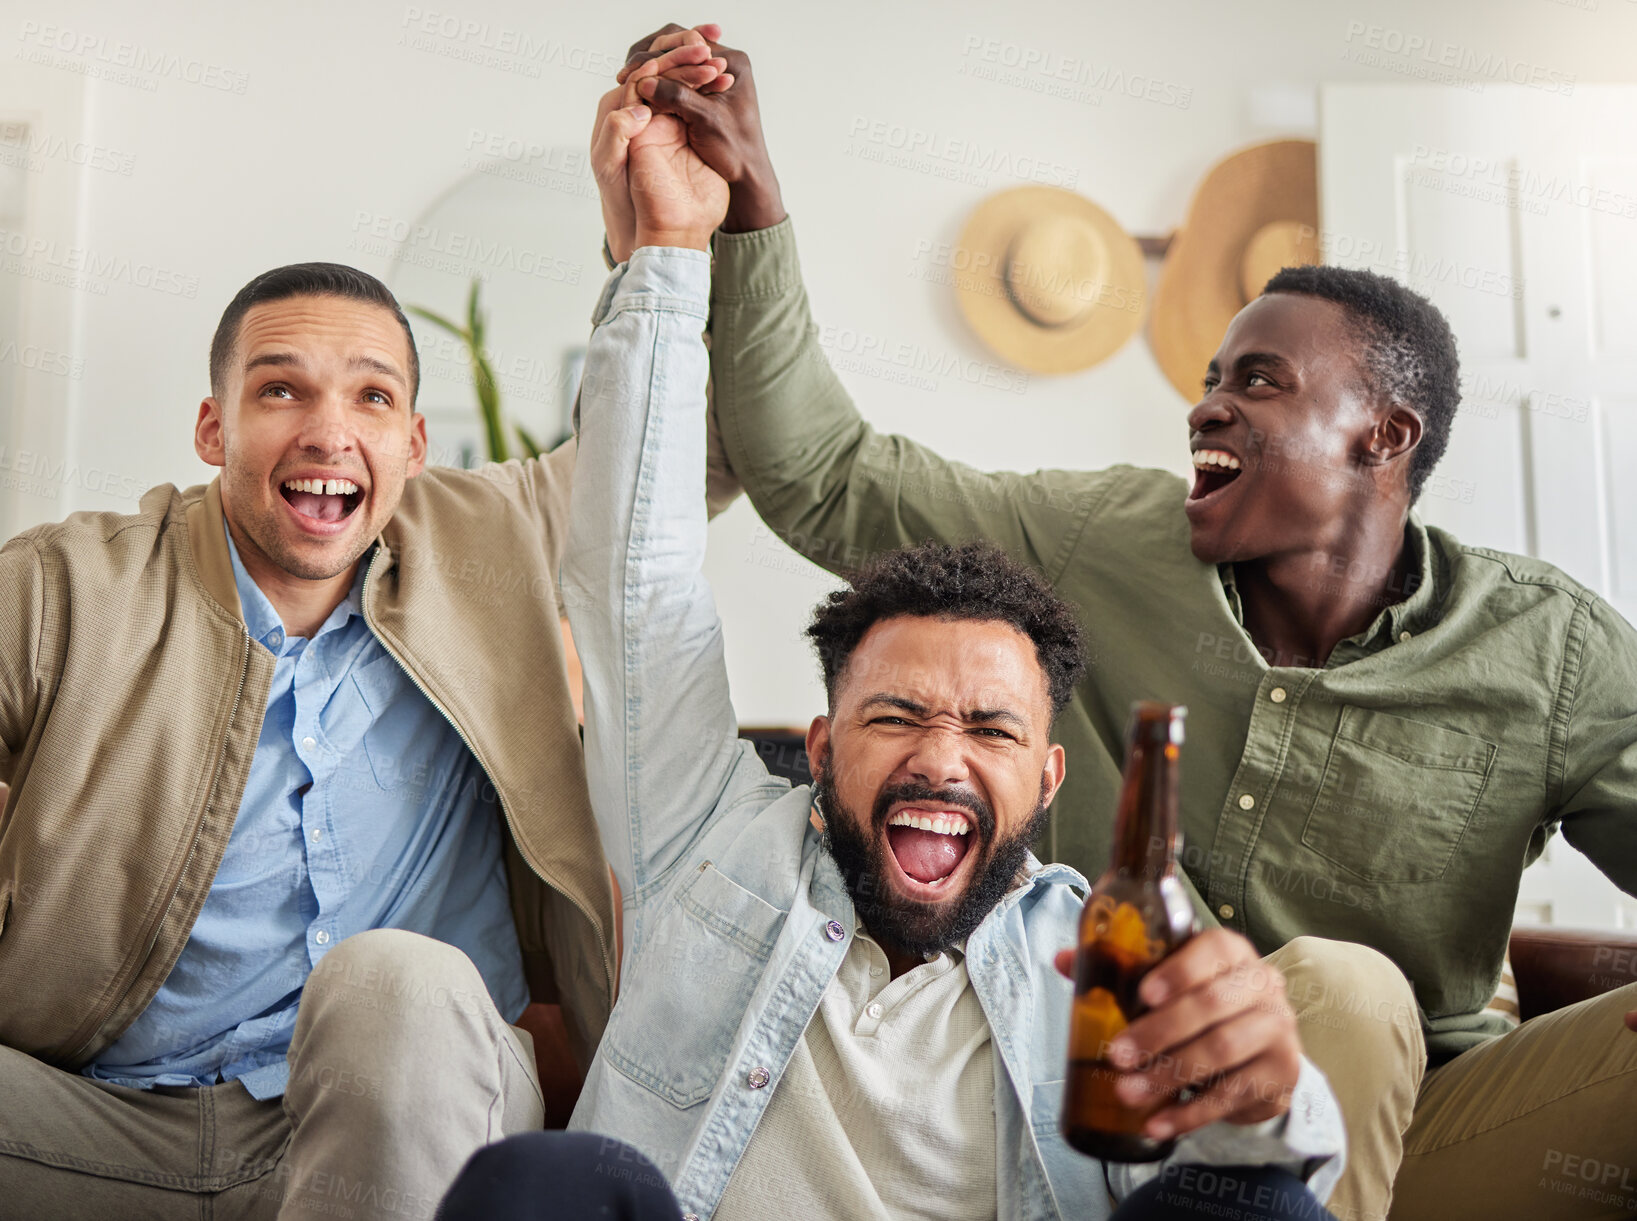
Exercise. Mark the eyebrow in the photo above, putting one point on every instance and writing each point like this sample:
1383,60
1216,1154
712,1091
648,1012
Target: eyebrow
285,360
1249,359
978,716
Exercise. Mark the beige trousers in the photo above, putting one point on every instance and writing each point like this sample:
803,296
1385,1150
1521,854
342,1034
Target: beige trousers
400,1069
1358,1021
1537,1124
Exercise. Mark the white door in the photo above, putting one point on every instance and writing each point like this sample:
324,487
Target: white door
1515,210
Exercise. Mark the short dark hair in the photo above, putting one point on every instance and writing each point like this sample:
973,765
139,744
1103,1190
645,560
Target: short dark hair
305,280
973,581
1409,354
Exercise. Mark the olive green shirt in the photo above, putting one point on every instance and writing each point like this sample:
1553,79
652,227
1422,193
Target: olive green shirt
1391,797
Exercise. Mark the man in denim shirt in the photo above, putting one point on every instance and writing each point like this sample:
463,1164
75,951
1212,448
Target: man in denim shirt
861,1014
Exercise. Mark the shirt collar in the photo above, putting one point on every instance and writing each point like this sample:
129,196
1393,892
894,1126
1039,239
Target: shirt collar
262,621
1415,604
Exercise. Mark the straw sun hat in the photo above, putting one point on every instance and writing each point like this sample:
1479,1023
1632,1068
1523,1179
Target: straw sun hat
1053,284
1255,212
1048,279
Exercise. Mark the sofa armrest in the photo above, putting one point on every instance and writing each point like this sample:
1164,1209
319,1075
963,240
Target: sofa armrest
1556,967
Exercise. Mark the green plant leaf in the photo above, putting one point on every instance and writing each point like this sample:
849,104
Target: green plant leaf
437,319
530,445
474,314
484,382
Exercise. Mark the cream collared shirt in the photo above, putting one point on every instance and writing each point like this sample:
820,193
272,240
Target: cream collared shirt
887,1107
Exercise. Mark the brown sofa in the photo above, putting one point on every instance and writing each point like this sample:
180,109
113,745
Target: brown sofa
1555,967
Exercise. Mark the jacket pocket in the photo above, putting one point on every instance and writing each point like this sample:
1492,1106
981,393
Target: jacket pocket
691,984
1071,1174
1396,796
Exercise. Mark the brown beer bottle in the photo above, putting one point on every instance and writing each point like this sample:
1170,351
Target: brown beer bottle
1136,914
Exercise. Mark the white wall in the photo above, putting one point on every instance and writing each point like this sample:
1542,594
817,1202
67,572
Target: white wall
204,187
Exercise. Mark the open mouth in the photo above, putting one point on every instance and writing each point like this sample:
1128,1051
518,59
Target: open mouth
929,844
326,502
1214,469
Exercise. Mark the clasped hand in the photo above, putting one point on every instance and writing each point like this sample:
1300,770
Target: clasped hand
656,191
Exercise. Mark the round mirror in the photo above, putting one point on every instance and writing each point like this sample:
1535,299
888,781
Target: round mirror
526,226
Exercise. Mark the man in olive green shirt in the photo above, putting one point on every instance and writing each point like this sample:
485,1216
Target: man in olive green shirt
1386,725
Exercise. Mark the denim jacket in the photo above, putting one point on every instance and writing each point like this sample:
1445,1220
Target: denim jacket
736,919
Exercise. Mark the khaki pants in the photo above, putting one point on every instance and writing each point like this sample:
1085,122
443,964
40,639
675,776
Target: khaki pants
1536,1124
400,1069
1358,1021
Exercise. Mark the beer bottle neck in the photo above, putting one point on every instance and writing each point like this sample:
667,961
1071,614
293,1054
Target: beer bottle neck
1146,825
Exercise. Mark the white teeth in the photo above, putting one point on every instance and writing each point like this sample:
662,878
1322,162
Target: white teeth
322,487
1215,457
943,824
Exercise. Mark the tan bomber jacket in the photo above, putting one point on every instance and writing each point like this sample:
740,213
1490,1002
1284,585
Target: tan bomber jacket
131,700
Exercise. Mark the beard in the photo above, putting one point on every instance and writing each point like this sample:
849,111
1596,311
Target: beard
859,847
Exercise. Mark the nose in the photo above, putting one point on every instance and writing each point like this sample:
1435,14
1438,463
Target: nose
938,759
325,427
1212,411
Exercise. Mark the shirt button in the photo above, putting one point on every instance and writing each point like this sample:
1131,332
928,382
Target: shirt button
690,1217
873,1010
1403,637
834,931
318,834
1247,802
322,937
1225,911
758,1077
309,743
875,972
1277,695
275,638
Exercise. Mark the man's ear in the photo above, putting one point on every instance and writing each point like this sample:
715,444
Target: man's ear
818,760
1051,775
1395,435
818,746
417,445
208,441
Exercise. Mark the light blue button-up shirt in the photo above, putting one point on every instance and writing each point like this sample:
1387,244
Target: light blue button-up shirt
736,918
363,810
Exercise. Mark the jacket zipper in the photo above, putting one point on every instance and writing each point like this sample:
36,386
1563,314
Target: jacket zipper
198,833
602,944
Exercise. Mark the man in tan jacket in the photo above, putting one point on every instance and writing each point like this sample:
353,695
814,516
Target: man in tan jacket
297,821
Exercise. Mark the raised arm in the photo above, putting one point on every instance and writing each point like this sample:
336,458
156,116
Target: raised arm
833,487
661,738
